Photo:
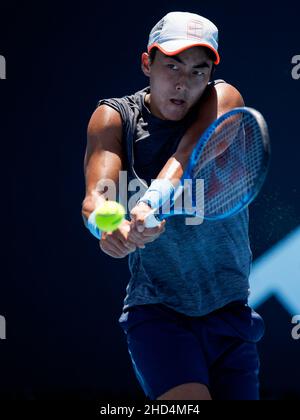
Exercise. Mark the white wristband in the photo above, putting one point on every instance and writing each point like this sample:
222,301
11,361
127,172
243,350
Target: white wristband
91,225
158,193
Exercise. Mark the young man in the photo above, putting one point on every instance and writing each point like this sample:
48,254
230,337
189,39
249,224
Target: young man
190,333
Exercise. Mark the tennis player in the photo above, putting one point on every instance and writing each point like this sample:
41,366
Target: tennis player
190,332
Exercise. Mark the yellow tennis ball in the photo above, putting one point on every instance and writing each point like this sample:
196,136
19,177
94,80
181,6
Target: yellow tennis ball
109,216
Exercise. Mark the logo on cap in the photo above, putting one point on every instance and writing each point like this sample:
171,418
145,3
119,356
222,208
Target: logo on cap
194,29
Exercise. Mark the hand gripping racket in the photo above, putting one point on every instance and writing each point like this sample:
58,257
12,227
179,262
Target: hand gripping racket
231,160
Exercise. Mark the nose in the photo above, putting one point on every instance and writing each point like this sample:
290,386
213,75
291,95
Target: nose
181,84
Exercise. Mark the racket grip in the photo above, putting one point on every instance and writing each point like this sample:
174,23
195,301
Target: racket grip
151,220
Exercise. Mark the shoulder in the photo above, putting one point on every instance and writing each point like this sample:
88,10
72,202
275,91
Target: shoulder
125,104
228,96
104,118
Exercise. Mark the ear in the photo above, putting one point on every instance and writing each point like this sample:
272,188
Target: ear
145,64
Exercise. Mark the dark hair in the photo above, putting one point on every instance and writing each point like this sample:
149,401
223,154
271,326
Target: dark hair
209,53
152,54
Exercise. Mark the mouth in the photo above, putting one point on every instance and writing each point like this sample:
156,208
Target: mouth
178,102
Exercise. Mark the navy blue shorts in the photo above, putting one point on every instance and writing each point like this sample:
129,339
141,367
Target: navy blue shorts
218,350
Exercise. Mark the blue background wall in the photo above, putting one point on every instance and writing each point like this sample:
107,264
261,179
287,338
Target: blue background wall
60,295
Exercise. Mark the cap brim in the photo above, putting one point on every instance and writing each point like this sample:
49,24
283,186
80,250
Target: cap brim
176,47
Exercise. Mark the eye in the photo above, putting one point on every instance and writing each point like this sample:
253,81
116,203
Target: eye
199,73
172,66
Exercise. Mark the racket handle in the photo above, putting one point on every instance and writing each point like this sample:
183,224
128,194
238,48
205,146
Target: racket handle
151,220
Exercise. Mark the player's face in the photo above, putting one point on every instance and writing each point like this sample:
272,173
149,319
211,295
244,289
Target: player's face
178,82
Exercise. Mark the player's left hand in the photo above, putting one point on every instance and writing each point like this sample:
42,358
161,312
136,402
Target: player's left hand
138,231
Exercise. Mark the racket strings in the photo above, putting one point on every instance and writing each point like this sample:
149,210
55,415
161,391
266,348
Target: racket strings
218,143
230,163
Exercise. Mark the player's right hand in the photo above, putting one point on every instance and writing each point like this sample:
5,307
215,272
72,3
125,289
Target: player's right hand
117,244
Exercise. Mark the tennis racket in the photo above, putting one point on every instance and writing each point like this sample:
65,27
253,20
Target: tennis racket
226,169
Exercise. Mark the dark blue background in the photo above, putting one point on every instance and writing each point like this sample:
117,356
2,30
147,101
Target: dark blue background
60,294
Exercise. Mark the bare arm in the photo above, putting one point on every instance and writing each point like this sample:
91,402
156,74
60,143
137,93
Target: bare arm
103,160
103,156
217,101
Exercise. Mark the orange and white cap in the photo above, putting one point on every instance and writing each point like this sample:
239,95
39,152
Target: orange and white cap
178,31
